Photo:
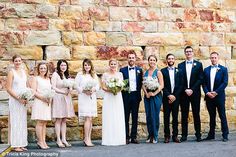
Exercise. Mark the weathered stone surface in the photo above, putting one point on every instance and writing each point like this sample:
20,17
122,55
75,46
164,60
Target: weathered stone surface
206,15
229,4
220,27
57,52
26,52
191,15
60,2
230,38
27,24
176,50
173,14
11,38
2,21
3,82
116,38
158,39
111,2
22,10
61,24
43,38
232,79
149,14
234,53
181,3
123,14
120,53
214,39
82,52
231,65
107,26
71,12
72,38
28,1
151,50
98,13
224,52
4,67
84,25
94,38
206,4
225,16
139,26
192,38
47,11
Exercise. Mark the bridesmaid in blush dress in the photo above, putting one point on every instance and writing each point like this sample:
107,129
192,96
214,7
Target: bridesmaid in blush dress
41,108
62,107
16,80
87,85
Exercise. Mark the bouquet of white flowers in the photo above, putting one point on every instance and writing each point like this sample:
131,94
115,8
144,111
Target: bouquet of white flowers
151,83
48,93
26,94
90,84
68,83
115,85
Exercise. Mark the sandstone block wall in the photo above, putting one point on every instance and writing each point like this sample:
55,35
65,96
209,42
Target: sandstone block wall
101,29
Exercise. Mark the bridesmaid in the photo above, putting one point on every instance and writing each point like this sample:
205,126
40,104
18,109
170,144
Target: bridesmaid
41,108
153,100
16,80
62,107
87,99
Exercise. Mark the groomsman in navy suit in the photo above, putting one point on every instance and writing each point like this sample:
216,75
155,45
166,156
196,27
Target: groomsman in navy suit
173,85
132,97
215,82
193,77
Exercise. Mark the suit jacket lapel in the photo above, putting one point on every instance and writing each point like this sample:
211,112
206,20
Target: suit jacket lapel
209,77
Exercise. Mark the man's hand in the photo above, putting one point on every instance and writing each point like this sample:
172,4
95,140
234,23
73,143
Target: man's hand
189,92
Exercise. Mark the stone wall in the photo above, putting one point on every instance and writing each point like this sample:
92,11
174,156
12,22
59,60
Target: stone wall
101,29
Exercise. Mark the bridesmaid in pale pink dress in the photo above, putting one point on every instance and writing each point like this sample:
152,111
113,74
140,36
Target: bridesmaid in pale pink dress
41,108
62,107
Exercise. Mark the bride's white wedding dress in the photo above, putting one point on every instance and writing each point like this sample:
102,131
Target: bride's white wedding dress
113,119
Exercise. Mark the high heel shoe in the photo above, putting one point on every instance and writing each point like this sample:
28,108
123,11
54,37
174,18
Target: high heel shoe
86,145
40,147
60,145
66,144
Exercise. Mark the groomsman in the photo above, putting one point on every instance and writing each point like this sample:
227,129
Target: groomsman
173,84
193,77
215,82
132,97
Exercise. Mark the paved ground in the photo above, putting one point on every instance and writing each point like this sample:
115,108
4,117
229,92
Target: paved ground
191,148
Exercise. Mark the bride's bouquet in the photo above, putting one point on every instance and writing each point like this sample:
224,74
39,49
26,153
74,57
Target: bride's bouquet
151,83
27,94
69,83
115,85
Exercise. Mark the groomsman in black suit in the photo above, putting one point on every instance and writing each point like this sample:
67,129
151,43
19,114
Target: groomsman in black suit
193,77
173,85
132,97
215,82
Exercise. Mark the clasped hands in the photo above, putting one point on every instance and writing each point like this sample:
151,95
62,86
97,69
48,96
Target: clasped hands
89,92
211,94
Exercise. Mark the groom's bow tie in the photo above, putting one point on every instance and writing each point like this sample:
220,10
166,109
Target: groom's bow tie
189,62
214,66
131,68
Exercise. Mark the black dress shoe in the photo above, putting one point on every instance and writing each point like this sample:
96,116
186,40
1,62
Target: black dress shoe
182,139
176,140
225,139
208,138
135,141
167,140
199,139
127,141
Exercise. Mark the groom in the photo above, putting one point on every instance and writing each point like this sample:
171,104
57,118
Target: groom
132,97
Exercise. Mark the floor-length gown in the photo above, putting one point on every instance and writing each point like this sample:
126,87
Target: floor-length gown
18,112
113,119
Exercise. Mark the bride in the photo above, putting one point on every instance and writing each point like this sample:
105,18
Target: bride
113,120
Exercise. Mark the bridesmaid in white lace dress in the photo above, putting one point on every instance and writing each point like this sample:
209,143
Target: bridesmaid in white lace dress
113,119
16,80
41,108
62,106
87,85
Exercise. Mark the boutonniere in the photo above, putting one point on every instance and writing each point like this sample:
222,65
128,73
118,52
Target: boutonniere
194,64
176,70
217,69
138,71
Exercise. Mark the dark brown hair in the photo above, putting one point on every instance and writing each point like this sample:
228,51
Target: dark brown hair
187,47
152,56
66,73
16,56
132,52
